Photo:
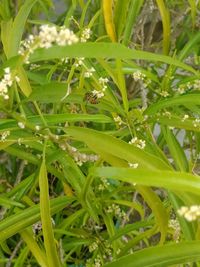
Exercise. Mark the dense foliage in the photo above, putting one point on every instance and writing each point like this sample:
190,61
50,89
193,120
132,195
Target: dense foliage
100,133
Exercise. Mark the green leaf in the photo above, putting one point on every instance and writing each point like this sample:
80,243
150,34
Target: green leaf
47,229
52,119
157,208
6,27
99,141
24,82
160,256
120,16
135,7
38,253
9,202
22,219
176,181
176,122
193,99
165,16
16,32
175,149
102,50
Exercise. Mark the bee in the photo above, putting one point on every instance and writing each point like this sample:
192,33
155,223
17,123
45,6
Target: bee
91,98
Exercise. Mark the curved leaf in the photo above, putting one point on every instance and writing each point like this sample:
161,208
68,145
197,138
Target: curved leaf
160,256
193,99
177,181
102,50
99,141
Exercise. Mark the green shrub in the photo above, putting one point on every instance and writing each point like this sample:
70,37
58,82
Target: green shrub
99,133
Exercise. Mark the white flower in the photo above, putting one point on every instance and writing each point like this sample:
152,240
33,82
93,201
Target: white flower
7,70
98,94
66,37
93,246
21,125
5,83
118,120
85,35
103,82
37,127
164,93
17,79
48,35
133,165
181,89
79,61
4,135
196,123
190,213
138,75
89,72
185,117
138,142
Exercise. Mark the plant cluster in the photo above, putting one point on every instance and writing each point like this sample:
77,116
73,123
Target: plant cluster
99,133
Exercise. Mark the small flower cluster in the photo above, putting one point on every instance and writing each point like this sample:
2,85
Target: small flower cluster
79,61
80,158
190,213
139,76
133,165
95,263
138,142
181,89
7,82
103,82
94,246
118,120
167,114
115,209
196,123
195,85
37,227
65,60
164,93
174,224
89,72
85,35
4,135
185,117
34,66
48,36
100,93
104,184
21,124
97,94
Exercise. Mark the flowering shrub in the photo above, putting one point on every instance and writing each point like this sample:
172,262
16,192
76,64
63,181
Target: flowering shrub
99,133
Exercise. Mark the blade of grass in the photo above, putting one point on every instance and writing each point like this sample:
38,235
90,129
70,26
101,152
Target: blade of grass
176,150
120,15
16,33
22,219
47,230
102,142
102,50
135,7
170,102
166,255
108,18
37,252
165,16
176,181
